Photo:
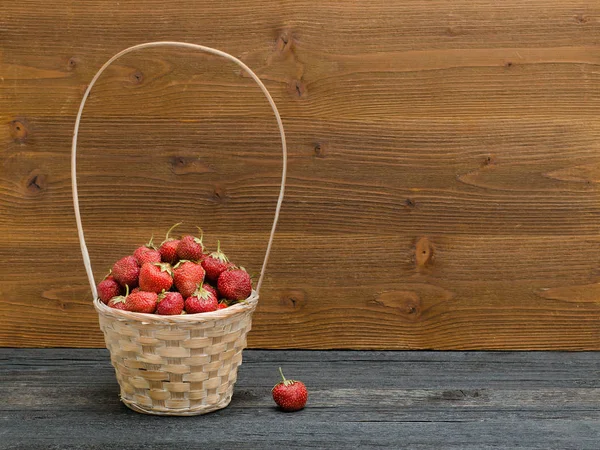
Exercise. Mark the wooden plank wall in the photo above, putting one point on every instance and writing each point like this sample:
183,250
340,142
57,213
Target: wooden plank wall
443,177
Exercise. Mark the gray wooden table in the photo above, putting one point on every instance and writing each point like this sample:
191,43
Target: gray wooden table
63,398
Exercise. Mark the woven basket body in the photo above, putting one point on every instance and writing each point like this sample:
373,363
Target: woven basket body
176,365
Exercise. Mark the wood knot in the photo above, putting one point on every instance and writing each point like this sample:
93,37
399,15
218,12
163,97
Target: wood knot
293,299
35,182
219,195
18,130
181,165
580,18
137,77
489,160
409,203
508,64
453,31
298,89
423,253
320,150
457,395
284,42
406,303
72,63
178,163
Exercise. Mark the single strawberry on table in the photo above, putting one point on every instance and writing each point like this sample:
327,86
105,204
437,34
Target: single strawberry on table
170,304
215,263
156,277
187,275
235,284
108,288
147,253
126,271
202,301
168,247
191,248
290,395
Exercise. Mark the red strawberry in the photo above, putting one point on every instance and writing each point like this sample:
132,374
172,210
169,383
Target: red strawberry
191,248
168,251
211,289
235,284
126,271
188,276
147,253
168,248
222,305
201,301
118,302
108,288
137,289
169,304
290,395
215,263
156,277
144,302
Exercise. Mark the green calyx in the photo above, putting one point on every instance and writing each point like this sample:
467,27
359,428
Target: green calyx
200,292
121,298
219,254
165,267
161,296
180,262
285,380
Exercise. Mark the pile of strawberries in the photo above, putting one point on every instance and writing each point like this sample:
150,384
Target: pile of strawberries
178,277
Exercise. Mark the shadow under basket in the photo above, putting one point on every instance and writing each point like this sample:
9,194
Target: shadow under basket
177,365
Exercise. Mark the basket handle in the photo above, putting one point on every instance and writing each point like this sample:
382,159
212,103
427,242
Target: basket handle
84,251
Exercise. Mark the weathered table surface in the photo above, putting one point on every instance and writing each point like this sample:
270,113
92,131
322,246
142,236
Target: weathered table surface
64,398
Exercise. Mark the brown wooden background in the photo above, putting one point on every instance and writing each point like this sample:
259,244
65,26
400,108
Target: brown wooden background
443,178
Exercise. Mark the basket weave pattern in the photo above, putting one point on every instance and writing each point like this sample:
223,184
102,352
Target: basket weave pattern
177,365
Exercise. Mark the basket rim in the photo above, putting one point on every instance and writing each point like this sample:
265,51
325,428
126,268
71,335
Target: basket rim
246,305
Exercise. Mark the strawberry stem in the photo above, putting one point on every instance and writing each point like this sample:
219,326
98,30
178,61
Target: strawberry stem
200,292
150,244
219,254
165,267
171,229
282,376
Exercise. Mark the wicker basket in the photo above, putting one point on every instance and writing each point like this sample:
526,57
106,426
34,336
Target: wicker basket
182,365
175,365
